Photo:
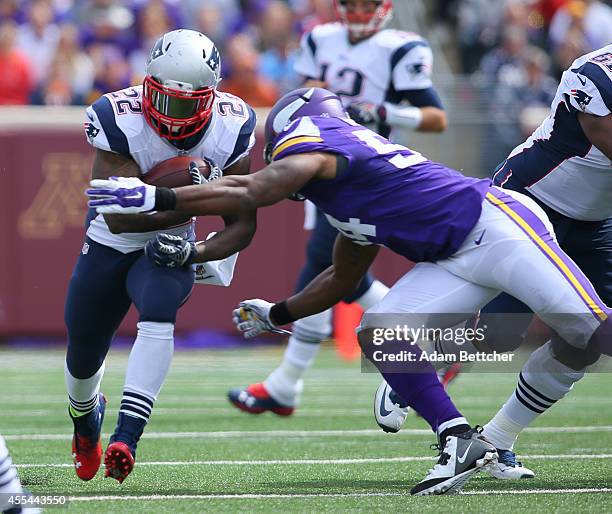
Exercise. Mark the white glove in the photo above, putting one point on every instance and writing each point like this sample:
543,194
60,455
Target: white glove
252,317
121,195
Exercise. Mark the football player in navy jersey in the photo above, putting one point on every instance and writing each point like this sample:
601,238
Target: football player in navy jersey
471,240
383,77
177,111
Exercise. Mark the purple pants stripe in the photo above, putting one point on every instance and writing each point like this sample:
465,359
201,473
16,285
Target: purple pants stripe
535,229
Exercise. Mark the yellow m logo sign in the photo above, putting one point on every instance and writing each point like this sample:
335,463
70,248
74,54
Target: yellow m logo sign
60,202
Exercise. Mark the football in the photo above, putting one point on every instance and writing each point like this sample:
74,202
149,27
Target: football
175,172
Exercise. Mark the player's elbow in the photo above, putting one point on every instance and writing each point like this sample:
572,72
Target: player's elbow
249,227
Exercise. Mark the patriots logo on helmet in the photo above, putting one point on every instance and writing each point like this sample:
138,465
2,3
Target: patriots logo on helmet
90,131
582,98
214,60
157,50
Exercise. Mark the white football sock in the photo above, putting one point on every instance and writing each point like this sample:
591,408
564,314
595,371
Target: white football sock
372,296
83,392
9,481
542,382
150,358
285,383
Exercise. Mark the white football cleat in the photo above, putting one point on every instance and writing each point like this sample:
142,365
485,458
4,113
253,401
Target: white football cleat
390,410
463,456
507,467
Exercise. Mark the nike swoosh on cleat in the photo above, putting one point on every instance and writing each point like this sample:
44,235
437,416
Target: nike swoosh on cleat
383,411
461,459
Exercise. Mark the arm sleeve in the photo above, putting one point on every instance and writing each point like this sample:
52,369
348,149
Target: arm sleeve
421,97
588,89
102,130
306,62
245,140
411,66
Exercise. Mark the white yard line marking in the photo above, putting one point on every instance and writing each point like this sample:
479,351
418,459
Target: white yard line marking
292,462
584,490
294,433
318,495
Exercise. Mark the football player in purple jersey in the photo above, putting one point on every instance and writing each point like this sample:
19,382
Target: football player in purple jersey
470,240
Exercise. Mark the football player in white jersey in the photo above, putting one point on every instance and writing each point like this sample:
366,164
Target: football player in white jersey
177,111
566,167
383,77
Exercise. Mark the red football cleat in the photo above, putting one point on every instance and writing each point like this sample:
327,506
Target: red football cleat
255,399
119,461
87,449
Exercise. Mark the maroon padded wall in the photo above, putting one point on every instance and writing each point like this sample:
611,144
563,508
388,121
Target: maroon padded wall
42,211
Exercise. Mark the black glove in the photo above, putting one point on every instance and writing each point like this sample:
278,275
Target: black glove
170,251
366,113
198,179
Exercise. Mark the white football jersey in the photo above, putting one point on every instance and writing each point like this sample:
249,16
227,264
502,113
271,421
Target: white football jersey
558,164
115,123
372,70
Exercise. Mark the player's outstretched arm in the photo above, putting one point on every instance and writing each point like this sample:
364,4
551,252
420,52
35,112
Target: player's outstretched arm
233,195
107,164
350,264
599,131
228,196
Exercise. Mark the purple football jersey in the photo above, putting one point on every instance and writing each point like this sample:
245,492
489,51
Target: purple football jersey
388,195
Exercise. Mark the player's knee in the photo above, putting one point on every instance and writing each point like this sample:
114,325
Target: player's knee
572,357
601,340
83,361
159,311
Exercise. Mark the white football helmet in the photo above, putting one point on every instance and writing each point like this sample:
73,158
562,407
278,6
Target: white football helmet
182,74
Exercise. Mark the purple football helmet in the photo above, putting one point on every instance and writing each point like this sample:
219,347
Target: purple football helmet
307,101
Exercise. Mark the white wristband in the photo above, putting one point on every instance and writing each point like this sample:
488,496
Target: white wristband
405,116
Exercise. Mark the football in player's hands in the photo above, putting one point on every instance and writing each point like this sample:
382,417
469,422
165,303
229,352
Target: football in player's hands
170,251
184,170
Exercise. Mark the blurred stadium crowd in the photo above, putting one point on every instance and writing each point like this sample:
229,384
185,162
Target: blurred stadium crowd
68,52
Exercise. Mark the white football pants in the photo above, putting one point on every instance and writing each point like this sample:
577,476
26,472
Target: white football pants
512,248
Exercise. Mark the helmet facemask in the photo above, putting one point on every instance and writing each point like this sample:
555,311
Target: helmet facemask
364,24
176,113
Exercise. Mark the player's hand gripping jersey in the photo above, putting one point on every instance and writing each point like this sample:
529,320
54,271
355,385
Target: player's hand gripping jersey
387,195
558,164
115,123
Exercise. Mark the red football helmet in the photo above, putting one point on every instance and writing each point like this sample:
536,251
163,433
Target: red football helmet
364,17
